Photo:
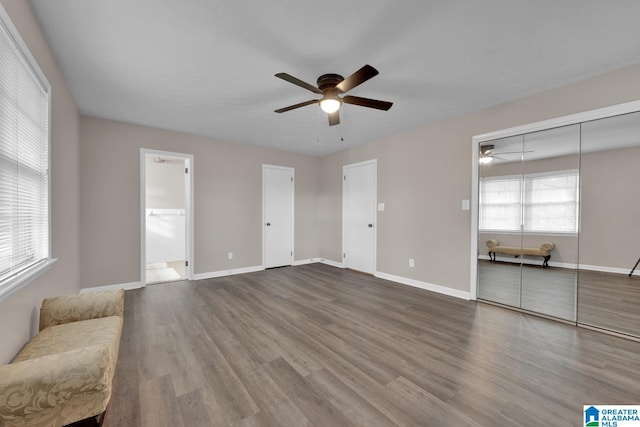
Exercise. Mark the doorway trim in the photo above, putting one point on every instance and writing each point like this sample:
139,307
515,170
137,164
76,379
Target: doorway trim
374,162
189,243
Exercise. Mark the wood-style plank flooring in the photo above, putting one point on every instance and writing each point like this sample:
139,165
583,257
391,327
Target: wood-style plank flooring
319,346
604,300
550,290
610,301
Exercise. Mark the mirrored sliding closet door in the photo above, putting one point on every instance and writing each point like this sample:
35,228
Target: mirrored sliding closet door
559,219
528,221
608,296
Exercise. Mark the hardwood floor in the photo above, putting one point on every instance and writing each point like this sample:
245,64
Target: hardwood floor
610,301
550,291
320,346
604,300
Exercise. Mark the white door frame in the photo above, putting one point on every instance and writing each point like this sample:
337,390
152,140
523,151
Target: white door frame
375,211
264,211
189,247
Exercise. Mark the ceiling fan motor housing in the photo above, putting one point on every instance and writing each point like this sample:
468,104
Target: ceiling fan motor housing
328,81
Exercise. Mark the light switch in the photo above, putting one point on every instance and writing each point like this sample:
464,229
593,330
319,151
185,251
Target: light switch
465,205
380,206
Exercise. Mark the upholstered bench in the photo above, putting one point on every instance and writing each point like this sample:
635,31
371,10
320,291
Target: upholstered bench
64,373
544,251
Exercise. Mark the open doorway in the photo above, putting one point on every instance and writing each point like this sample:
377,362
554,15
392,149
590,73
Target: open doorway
166,216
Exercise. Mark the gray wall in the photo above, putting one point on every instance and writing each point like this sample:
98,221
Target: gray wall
424,174
610,212
19,312
227,199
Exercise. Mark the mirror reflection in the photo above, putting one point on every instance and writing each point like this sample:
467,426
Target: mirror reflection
551,183
559,222
500,210
610,229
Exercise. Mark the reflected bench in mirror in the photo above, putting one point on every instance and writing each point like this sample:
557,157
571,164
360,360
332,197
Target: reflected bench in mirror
544,251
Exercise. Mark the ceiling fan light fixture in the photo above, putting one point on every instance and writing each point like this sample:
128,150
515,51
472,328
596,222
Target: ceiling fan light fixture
330,105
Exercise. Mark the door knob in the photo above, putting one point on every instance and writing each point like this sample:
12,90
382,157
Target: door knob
268,224
370,225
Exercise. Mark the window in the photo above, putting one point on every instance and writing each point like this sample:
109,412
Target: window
24,159
541,203
501,203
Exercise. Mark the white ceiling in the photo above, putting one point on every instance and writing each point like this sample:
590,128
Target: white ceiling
207,67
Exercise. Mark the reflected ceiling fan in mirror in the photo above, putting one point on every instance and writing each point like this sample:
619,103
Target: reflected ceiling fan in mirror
487,153
331,87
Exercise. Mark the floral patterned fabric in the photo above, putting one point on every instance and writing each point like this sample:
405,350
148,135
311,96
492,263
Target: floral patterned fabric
64,373
59,310
544,249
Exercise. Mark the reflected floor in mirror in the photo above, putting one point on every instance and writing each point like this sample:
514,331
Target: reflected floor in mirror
550,291
610,301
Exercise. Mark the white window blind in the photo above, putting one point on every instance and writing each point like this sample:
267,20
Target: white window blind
501,204
24,158
551,203
542,203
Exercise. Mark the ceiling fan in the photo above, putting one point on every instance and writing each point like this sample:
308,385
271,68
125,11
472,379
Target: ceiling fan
487,153
331,86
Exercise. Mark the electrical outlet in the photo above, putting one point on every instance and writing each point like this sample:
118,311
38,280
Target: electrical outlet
230,255
412,262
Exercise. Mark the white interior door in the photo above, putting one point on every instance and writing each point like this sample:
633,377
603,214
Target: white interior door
359,216
277,193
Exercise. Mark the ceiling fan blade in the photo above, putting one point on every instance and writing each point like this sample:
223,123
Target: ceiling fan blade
334,118
357,78
366,102
293,107
298,82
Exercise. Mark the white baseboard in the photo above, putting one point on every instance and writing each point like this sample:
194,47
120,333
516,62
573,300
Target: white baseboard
223,273
125,286
304,261
331,263
424,285
600,268
605,269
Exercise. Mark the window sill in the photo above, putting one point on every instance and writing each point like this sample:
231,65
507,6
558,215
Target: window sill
24,278
530,233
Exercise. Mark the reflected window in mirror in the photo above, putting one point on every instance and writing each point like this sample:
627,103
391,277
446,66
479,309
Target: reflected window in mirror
542,203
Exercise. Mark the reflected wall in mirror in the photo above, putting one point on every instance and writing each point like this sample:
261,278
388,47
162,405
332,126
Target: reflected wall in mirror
500,210
528,221
550,220
610,230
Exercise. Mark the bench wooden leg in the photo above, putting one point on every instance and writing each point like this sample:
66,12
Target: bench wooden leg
545,263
